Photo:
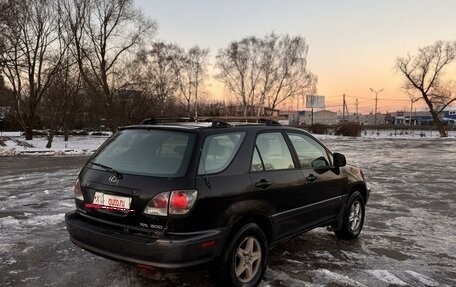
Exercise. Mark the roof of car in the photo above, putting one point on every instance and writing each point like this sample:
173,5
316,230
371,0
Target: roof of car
208,127
192,124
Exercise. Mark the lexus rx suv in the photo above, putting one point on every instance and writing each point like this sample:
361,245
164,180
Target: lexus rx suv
177,195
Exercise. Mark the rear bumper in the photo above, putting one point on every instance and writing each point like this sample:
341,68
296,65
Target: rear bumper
174,251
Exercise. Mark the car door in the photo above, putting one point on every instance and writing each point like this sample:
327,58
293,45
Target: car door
324,185
277,179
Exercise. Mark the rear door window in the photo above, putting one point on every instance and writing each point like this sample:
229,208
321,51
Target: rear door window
273,152
218,152
148,152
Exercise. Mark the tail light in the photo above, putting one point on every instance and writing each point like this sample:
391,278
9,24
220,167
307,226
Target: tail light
181,201
78,191
158,205
176,202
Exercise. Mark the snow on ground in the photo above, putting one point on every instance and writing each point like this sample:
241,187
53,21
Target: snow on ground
77,145
408,239
10,134
15,143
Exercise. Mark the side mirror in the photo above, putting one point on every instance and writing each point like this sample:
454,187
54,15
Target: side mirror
339,160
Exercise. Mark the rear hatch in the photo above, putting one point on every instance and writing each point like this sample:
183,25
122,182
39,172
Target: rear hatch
132,167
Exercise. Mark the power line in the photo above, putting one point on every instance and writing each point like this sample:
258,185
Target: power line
373,99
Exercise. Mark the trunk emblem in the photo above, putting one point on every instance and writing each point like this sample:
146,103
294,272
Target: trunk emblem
113,179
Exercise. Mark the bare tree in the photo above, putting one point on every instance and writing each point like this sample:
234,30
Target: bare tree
265,72
239,68
105,33
61,99
192,73
290,76
32,54
423,74
156,71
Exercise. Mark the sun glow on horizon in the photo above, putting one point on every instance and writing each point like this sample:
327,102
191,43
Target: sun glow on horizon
352,44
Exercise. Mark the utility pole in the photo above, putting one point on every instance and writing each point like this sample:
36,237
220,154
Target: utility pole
357,114
297,110
312,103
343,108
412,100
376,100
411,111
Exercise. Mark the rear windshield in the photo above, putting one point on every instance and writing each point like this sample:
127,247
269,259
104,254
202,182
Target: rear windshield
147,152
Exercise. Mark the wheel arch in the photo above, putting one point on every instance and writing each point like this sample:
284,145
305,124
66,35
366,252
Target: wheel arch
356,187
242,212
361,188
263,222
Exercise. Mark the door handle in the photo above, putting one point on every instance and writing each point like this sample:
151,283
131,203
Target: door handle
263,184
311,178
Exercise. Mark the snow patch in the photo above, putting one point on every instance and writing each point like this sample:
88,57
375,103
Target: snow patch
30,278
5,247
27,249
325,276
38,220
8,221
271,276
43,220
10,134
77,145
9,261
423,279
386,276
294,261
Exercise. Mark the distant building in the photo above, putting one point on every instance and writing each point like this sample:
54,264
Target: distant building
290,116
323,117
368,119
302,117
405,118
449,116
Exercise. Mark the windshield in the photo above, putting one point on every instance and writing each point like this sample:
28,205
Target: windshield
147,152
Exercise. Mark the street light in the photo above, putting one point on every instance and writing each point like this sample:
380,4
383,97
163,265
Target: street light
376,99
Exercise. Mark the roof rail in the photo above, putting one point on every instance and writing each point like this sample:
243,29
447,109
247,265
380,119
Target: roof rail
214,122
218,123
269,122
154,121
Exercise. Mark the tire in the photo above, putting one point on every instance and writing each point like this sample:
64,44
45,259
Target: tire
247,252
353,217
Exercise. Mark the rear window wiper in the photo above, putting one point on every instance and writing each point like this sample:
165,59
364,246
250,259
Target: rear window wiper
110,169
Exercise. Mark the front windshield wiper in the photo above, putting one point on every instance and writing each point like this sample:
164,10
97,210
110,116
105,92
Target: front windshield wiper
110,169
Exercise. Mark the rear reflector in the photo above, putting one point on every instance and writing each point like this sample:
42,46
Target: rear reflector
208,244
143,266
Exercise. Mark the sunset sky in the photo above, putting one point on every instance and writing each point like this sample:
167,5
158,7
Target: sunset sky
352,44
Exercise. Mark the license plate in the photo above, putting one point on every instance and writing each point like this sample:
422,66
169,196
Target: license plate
111,200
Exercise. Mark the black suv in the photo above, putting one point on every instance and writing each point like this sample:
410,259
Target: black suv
183,194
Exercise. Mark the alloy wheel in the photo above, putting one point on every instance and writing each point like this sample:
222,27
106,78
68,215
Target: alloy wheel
248,259
356,215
